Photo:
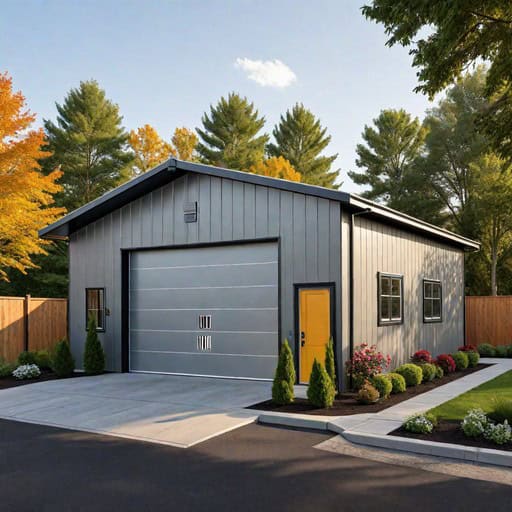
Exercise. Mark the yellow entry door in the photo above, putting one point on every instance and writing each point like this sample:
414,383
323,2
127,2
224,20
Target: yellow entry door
314,327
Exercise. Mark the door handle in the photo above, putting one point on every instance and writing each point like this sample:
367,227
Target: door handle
302,343
302,339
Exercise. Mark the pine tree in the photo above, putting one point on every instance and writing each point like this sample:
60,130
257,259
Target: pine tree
88,144
94,356
320,390
284,380
62,362
330,366
300,138
229,137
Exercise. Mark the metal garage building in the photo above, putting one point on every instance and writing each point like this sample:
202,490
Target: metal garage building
192,269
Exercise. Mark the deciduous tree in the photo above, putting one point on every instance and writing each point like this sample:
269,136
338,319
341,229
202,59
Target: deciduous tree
276,167
26,194
301,139
230,136
184,143
149,149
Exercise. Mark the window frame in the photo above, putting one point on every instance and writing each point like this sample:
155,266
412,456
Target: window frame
87,309
383,322
432,319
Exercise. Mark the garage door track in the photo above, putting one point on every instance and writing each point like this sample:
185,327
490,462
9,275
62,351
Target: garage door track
166,409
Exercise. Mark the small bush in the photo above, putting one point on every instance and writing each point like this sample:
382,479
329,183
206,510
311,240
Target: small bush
439,371
500,351
446,362
474,423
473,358
383,385
63,363
411,373
509,351
501,410
421,356
284,379
330,366
419,424
498,434
367,394
486,350
42,358
6,369
397,383
26,371
461,360
429,372
467,348
26,357
320,390
366,362
94,356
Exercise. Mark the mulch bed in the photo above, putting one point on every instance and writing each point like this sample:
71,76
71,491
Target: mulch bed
449,431
346,404
11,382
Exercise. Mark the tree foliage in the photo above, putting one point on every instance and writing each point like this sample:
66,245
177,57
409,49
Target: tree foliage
230,134
284,379
276,167
149,149
446,38
300,139
184,142
88,144
94,356
26,194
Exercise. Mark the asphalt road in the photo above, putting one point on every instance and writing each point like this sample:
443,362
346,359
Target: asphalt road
253,468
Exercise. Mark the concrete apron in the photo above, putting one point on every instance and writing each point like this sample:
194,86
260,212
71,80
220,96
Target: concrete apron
373,429
165,409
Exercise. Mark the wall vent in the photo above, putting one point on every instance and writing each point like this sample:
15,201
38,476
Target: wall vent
205,321
204,343
190,212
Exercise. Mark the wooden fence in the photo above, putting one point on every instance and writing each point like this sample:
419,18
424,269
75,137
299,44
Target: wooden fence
489,320
28,323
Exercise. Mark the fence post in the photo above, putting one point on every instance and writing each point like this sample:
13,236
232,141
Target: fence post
26,310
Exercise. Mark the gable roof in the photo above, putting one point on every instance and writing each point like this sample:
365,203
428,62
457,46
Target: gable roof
174,168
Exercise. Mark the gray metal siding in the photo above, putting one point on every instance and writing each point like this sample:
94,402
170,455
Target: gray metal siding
382,248
309,231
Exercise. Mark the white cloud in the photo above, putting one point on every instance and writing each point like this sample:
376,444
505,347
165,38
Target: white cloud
268,73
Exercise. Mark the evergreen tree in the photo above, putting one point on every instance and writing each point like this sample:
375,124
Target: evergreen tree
320,390
284,380
62,362
229,137
94,356
300,138
88,144
330,366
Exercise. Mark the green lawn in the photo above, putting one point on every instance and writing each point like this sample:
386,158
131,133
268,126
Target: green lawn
482,397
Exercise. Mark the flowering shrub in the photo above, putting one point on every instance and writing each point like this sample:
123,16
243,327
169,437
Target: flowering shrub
419,424
366,362
467,348
446,362
474,423
421,356
498,434
26,371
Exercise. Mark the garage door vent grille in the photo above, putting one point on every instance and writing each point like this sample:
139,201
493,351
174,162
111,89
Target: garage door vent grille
205,321
204,343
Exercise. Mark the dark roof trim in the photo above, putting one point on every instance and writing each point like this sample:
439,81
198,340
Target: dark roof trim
173,168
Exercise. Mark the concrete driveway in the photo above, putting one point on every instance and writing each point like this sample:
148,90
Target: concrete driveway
166,409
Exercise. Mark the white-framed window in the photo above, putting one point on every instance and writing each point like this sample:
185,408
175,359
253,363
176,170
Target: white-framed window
432,301
390,297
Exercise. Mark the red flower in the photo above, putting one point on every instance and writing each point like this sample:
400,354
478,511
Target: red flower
468,348
446,362
421,356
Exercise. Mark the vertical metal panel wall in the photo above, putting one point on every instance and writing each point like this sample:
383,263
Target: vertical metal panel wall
309,229
382,248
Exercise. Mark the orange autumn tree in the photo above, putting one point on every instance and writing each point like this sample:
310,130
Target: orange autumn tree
185,142
149,148
26,195
276,167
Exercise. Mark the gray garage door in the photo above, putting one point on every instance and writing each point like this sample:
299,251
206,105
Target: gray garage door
205,311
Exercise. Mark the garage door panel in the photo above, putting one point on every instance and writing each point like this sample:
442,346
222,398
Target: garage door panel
206,364
225,320
237,285
259,344
245,297
208,276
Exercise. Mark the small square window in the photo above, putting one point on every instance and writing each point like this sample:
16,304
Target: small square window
390,299
432,301
95,306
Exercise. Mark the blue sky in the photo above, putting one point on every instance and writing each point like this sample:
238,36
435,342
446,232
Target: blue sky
165,62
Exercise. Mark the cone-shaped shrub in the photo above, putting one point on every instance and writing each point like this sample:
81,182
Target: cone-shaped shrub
320,390
63,363
330,366
284,379
94,356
